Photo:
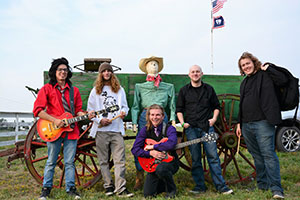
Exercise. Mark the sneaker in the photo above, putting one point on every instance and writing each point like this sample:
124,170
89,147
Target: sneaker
45,193
229,191
109,191
196,191
125,193
278,195
171,195
73,192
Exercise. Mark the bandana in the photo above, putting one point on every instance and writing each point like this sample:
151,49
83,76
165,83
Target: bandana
156,80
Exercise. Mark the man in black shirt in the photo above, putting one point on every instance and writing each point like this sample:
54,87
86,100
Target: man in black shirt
200,104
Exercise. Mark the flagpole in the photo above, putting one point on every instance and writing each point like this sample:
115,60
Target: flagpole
211,43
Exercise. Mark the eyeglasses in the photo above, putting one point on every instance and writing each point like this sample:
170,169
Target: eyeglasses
62,69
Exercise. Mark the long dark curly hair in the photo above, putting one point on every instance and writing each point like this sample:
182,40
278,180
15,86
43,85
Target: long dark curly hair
52,71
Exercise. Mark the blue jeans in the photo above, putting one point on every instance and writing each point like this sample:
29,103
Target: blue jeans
260,140
212,158
69,151
141,123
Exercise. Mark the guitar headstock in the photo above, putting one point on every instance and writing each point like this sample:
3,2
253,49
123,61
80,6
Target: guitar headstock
113,108
211,137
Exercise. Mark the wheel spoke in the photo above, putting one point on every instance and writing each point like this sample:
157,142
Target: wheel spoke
86,166
39,143
61,177
247,160
40,159
77,177
87,154
225,163
86,143
231,112
236,165
223,118
203,158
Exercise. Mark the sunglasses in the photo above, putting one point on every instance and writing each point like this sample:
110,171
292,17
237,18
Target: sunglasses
63,69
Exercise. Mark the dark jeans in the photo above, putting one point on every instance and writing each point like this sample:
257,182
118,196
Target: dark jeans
260,140
141,123
212,158
162,179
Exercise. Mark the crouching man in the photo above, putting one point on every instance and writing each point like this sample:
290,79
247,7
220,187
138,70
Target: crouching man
159,179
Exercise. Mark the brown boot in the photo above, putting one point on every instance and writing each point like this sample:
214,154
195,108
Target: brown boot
139,180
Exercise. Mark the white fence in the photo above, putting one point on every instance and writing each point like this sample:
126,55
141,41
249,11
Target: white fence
20,128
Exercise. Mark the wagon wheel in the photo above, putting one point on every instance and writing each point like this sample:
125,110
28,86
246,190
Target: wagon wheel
87,172
234,169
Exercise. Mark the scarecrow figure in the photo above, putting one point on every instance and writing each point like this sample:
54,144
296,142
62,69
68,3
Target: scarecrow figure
153,91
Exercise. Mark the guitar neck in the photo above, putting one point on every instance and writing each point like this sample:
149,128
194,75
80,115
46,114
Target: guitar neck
78,118
83,117
188,143
211,137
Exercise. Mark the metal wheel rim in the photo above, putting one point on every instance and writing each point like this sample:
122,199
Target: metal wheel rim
291,140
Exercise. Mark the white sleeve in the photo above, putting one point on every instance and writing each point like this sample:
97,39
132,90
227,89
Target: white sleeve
124,105
92,105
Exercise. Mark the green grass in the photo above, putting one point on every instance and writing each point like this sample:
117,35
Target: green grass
21,137
17,183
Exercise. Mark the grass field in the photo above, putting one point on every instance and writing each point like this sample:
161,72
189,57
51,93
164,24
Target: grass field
16,182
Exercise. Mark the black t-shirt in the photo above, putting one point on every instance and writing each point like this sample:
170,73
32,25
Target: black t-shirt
251,103
197,104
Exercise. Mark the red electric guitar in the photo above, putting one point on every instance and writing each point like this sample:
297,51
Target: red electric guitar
49,132
150,164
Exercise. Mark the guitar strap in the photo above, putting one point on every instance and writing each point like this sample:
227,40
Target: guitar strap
164,135
163,131
72,100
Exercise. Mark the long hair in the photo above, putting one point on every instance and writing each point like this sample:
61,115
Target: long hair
113,82
154,106
52,71
255,61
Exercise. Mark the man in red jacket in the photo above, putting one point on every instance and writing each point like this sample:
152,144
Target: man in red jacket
53,100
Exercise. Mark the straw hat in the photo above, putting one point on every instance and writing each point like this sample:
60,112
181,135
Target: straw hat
144,61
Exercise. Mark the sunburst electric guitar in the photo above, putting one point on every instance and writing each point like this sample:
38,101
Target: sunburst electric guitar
49,132
150,164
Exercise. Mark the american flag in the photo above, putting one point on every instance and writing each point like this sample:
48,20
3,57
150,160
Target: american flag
217,5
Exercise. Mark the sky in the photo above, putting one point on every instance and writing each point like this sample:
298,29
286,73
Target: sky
34,32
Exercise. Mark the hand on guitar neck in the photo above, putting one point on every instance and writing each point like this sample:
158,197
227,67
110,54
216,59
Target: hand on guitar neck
59,123
50,127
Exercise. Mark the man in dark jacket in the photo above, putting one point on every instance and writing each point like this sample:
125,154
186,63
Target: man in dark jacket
259,113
